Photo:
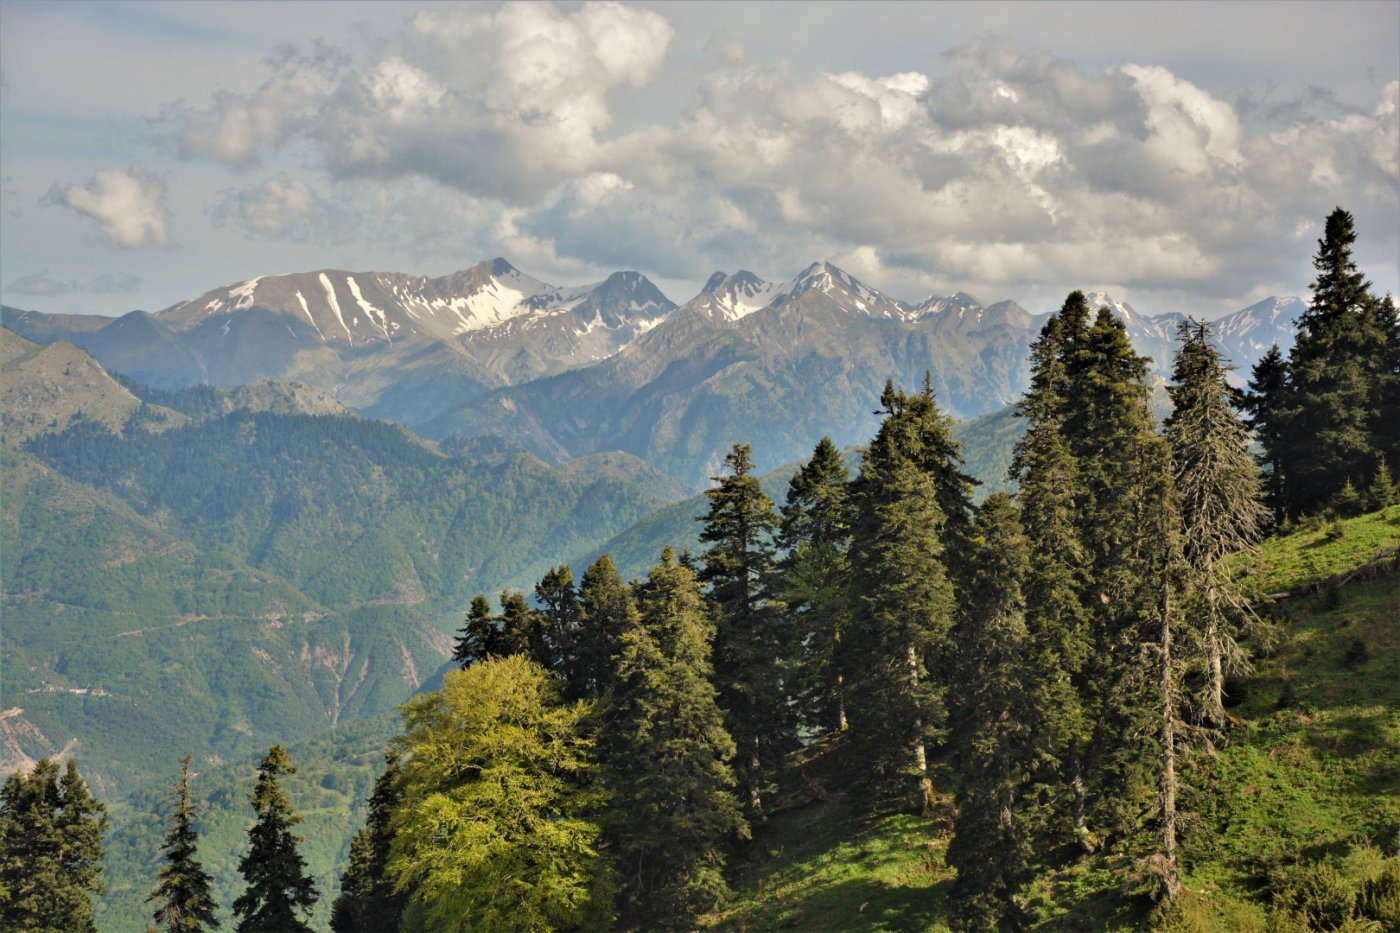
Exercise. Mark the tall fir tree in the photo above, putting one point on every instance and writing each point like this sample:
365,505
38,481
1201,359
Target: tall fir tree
51,832
1057,619
368,902
278,894
1267,403
994,731
815,539
182,888
478,637
606,611
903,598
1218,492
667,755
557,627
749,644
1119,458
1340,371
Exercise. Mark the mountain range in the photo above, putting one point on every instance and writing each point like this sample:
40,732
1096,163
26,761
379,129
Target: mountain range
571,371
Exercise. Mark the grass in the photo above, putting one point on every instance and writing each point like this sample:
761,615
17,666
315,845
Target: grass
1311,771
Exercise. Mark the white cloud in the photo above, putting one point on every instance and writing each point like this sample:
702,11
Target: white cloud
279,206
42,284
129,205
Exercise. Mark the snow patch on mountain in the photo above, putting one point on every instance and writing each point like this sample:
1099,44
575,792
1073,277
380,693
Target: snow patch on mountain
335,305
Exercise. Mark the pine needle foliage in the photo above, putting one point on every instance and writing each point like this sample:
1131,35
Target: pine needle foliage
182,888
278,894
368,901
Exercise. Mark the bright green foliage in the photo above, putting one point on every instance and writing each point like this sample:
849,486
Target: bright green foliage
994,728
1382,492
903,597
368,902
278,894
1218,495
493,830
1267,401
815,537
1056,616
182,889
606,610
50,850
667,761
1342,371
749,641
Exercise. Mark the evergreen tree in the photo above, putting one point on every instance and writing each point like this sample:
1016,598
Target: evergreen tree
668,755
738,571
1057,619
1218,494
903,597
277,890
1267,401
520,630
50,850
477,639
182,888
815,538
494,829
1382,492
557,627
606,610
368,902
994,728
1341,370
1120,461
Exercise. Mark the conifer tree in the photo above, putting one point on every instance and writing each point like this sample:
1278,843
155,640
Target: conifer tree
182,888
668,757
50,850
520,631
368,902
815,538
557,626
994,728
1056,616
1120,459
1340,372
494,829
278,894
477,639
738,571
1218,494
606,610
903,597
1267,401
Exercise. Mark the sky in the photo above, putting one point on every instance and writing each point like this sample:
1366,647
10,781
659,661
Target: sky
1181,156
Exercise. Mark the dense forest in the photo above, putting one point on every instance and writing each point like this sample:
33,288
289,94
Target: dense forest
1042,678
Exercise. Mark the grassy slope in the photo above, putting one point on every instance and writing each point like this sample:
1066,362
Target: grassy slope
1313,766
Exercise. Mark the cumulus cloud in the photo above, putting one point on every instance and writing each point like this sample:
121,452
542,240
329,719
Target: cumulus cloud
128,204
1001,171
279,207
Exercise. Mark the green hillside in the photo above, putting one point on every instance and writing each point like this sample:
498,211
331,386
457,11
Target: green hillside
1310,774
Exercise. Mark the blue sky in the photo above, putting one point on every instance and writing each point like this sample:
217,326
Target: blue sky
1180,155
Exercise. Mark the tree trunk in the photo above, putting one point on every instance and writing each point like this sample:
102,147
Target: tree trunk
1076,783
920,755
1171,882
1214,712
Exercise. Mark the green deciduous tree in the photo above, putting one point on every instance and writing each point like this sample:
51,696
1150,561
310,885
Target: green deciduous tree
368,902
749,641
668,754
278,894
50,850
182,888
494,829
